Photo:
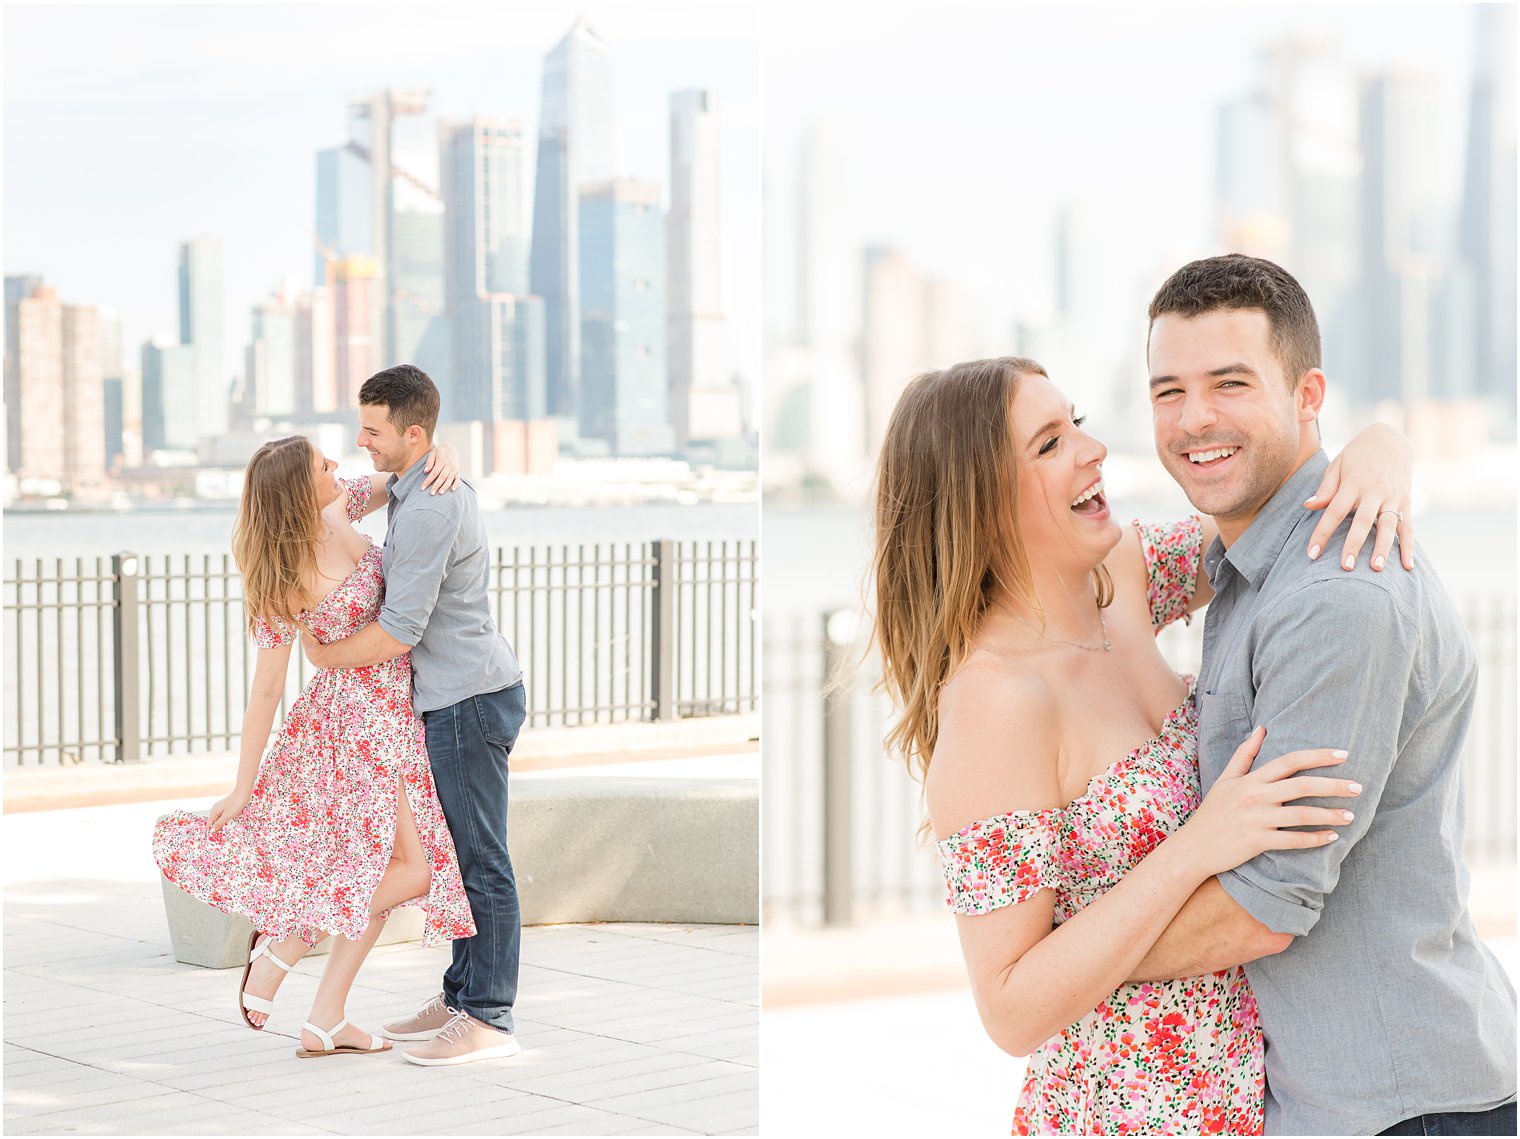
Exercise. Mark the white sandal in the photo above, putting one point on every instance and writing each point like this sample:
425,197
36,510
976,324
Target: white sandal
330,1049
247,1002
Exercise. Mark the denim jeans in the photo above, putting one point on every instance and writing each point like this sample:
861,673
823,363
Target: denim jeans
1498,1121
468,746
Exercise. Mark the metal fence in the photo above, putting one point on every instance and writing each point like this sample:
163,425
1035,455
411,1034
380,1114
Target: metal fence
121,658
840,817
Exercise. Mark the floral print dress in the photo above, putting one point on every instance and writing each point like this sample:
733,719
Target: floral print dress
307,852
1171,1057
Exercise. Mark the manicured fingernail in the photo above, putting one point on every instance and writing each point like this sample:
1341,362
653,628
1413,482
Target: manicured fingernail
1349,563
1377,562
1331,837
1348,816
1338,754
1313,552
1354,788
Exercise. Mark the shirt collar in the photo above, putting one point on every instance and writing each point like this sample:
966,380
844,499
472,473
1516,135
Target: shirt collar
1256,551
399,486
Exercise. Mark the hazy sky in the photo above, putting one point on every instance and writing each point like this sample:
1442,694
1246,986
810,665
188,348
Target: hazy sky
967,125
131,127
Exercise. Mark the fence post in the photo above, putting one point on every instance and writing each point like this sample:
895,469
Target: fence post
125,569
838,820
662,642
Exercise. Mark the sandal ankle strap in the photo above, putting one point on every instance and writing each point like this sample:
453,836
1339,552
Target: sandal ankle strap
265,951
326,1035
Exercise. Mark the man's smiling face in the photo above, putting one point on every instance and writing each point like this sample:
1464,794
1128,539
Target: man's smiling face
1229,426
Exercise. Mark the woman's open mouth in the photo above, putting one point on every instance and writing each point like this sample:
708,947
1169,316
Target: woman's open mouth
1091,501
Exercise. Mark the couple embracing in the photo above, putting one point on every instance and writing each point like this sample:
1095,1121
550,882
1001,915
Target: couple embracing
1209,906
387,783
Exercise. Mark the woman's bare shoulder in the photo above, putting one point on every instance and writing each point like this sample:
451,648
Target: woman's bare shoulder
997,746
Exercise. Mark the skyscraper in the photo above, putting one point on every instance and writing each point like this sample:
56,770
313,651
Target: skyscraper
315,360
417,314
371,127
272,359
1487,235
344,225
200,326
354,279
695,332
496,329
84,434
17,288
574,148
625,386
34,394
1397,131
168,391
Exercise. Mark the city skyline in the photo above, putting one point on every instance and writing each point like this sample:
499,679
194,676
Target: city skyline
146,217
1037,217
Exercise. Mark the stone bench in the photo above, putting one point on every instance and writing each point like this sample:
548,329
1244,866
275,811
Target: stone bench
584,849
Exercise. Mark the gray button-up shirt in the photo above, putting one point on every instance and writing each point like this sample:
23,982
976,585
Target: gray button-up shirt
436,566
1386,1005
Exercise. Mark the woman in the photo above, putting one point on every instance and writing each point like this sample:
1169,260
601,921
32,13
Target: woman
1057,749
340,822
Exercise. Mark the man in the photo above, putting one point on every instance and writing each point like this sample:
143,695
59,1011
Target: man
1383,1013
468,689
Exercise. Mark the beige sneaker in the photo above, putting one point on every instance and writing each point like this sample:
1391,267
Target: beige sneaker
424,1024
463,1041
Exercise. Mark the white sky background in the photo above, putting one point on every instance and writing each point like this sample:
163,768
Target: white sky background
129,128
967,124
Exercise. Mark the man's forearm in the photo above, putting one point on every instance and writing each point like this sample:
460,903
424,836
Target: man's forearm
1211,932
370,645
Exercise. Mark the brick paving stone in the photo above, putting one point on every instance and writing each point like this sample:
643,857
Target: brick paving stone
106,1034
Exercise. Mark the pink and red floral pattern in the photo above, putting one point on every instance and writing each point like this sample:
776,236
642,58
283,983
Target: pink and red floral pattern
1164,1058
307,852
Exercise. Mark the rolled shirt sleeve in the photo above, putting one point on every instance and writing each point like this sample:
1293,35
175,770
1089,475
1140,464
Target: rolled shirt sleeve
417,552
1335,671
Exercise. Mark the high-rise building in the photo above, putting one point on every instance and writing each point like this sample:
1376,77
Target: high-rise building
168,390
574,149
84,434
486,276
1396,236
354,279
625,387
200,326
344,225
17,288
34,392
421,324
371,125
700,385
892,337
1487,235
112,386
272,359
316,389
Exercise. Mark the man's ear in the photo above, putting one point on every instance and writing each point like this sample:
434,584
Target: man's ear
1309,395
415,434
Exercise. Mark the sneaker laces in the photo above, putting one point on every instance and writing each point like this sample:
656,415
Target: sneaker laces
433,1006
454,1027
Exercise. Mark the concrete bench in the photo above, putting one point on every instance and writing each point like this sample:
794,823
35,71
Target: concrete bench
585,849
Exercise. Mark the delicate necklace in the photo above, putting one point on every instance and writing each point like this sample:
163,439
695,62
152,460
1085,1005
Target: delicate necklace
1107,645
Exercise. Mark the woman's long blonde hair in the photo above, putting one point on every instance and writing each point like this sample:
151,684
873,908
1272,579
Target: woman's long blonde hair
279,527
947,536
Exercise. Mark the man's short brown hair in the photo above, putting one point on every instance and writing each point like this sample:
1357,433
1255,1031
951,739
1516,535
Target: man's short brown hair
408,394
1235,281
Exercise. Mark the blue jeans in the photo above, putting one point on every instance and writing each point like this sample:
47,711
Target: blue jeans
1497,1121
468,746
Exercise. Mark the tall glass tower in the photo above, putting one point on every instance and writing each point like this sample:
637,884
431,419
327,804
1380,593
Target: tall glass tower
626,391
574,148
486,269
200,326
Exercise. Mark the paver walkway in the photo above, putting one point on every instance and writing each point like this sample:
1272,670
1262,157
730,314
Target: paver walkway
626,1029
